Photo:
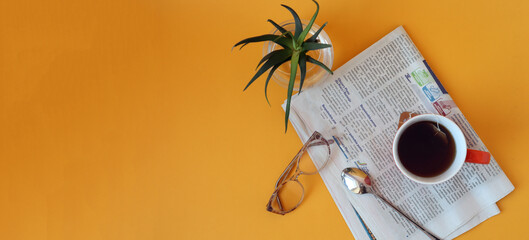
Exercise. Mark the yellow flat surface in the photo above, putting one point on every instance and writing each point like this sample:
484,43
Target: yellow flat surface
126,119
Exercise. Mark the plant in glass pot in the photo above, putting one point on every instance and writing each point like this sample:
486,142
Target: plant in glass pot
295,46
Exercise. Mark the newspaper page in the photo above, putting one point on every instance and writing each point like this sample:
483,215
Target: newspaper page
359,106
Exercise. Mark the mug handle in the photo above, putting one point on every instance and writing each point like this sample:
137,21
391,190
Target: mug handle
473,156
476,156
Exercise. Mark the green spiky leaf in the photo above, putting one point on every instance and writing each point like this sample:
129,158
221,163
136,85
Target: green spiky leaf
270,76
314,61
302,69
277,57
266,57
281,29
284,42
297,21
314,37
285,37
309,25
241,46
307,46
293,70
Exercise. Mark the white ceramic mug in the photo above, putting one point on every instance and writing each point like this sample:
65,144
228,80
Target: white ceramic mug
460,148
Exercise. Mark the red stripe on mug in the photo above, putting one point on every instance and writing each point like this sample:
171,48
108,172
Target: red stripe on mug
476,156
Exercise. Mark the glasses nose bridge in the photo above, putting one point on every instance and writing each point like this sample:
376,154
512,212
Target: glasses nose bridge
296,175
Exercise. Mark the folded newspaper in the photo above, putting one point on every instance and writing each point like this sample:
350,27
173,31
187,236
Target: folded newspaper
359,106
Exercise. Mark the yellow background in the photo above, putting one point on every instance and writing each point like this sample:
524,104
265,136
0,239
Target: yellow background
126,119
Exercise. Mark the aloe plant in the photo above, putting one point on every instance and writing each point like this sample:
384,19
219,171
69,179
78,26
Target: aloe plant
294,49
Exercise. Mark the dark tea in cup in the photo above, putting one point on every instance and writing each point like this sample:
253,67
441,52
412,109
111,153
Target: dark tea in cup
426,149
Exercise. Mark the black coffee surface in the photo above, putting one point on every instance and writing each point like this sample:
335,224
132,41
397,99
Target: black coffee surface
424,151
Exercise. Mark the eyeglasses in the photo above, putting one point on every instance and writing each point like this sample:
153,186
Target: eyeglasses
289,191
